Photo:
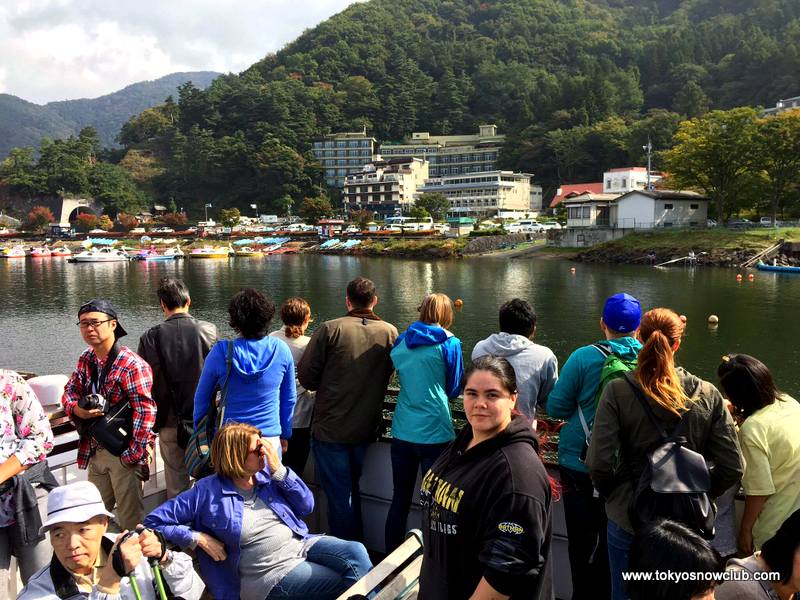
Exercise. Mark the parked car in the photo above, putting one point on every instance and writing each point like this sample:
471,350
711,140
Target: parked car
137,231
767,222
550,225
740,224
163,230
100,231
352,229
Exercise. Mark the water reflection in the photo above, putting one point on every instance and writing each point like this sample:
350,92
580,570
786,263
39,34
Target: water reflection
39,299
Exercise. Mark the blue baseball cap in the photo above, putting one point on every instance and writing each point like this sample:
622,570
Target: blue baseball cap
622,313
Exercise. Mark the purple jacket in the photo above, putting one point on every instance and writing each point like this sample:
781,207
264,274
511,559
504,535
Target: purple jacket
213,506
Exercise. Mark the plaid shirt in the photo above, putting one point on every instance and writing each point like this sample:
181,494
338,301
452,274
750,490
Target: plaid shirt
130,377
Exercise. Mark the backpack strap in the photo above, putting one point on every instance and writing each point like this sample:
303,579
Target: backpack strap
224,391
603,349
652,415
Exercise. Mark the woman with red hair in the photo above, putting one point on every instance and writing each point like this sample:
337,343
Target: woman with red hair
624,434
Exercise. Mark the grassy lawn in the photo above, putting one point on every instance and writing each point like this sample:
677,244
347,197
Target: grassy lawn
702,239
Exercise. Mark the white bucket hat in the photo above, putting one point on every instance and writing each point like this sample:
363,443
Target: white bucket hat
74,503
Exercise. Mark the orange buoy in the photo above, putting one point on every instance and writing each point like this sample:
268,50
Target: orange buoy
572,270
750,277
739,277
458,303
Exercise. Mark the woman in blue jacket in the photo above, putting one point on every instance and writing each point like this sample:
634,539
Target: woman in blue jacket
430,364
245,520
261,389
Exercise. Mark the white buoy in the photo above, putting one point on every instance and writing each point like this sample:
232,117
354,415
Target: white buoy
713,319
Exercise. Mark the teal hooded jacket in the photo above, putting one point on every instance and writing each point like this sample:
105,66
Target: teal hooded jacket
577,384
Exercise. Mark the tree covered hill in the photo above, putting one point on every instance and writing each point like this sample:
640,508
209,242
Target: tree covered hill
23,123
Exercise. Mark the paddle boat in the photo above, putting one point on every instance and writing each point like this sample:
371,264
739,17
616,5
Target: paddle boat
247,251
210,252
61,251
152,255
100,255
41,252
14,252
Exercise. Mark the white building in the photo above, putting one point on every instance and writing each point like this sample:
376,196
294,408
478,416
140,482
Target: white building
451,154
627,179
386,187
597,218
491,194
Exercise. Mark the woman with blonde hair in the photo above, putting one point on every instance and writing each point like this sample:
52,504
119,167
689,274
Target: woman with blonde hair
430,364
296,316
246,522
623,433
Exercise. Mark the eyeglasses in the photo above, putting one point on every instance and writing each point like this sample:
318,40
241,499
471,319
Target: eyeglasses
93,324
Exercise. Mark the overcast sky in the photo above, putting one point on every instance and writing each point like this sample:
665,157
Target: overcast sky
65,49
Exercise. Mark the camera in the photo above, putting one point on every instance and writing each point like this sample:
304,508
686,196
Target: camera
91,401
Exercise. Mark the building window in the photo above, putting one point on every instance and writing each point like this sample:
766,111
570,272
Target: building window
694,206
668,207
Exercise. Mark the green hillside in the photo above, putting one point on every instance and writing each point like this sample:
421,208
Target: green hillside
23,123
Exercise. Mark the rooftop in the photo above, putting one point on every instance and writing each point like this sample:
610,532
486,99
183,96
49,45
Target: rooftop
568,190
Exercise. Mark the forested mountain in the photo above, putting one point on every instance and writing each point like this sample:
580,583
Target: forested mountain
578,86
23,123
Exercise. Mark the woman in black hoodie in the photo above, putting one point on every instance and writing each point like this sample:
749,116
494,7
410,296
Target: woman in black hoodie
486,500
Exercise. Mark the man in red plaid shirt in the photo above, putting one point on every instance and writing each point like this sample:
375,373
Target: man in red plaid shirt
118,374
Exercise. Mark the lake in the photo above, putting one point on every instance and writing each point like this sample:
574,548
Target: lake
39,299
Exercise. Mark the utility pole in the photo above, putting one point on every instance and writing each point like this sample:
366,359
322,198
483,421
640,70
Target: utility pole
649,149
207,206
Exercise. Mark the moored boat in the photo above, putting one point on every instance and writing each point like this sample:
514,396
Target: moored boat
14,252
777,268
61,251
41,252
210,252
98,255
247,251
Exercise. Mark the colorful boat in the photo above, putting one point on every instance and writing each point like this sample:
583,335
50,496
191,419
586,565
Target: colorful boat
247,251
101,255
61,251
777,268
152,255
14,252
211,252
41,252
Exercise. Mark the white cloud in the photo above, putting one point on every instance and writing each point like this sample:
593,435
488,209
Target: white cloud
62,49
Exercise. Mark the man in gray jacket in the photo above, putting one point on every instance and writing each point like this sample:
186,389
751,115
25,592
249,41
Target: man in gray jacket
347,363
535,366
176,350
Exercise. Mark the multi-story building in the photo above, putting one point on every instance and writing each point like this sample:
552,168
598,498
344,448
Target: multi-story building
783,105
386,187
343,153
627,179
537,201
488,194
451,154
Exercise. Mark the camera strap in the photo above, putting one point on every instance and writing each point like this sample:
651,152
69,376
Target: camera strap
99,378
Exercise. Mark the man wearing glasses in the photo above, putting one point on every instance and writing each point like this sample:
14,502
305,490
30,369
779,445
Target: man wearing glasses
119,376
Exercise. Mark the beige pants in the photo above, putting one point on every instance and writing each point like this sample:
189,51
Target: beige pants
119,485
175,475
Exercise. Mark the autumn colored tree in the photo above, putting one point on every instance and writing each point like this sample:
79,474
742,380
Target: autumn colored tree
361,217
85,221
38,219
174,219
126,222
105,223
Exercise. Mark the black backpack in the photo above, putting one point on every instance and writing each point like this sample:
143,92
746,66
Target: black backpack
675,481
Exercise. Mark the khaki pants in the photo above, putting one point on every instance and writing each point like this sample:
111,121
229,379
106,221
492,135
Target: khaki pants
120,485
175,475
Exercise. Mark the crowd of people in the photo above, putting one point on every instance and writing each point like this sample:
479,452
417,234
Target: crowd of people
650,458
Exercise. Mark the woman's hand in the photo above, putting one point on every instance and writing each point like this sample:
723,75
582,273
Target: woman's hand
212,546
268,451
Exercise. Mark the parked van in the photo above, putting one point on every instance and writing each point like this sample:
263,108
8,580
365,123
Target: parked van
530,226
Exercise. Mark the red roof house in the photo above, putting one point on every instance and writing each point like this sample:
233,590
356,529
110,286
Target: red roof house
570,190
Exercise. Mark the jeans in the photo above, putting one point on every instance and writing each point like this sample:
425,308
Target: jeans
585,516
407,459
619,545
331,567
339,468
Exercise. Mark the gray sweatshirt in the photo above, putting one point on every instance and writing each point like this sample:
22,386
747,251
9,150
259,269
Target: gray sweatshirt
535,366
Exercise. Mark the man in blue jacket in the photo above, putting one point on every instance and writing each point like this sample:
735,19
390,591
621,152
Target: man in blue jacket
572,397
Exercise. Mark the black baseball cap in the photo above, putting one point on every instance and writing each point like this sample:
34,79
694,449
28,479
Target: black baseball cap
105,307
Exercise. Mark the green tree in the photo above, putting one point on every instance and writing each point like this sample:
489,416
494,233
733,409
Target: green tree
716,153
435,204
314,209
18,172
38,219
417,212
229,217
691,100
779,156
114,187
284,205
147,125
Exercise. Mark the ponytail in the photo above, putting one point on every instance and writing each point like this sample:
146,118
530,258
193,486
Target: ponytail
660,330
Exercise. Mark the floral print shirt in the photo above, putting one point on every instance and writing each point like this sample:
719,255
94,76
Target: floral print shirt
24,431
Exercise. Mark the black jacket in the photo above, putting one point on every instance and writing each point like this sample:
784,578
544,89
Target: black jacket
487,513
184,342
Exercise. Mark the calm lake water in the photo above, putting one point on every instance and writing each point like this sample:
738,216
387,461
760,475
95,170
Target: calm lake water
39,301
